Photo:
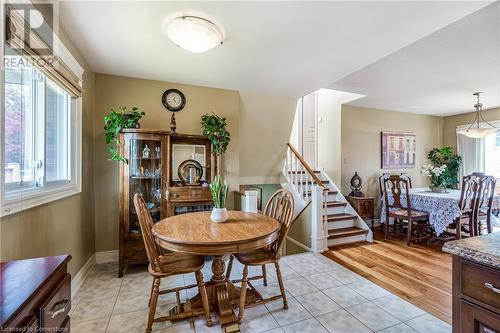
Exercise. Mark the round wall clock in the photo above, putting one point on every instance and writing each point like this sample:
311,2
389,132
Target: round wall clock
173,100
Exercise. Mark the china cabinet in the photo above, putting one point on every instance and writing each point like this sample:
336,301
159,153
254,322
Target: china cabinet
171,171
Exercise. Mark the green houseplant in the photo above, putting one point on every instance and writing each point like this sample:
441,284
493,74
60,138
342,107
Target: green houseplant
214,127
114,122
446,156
219,191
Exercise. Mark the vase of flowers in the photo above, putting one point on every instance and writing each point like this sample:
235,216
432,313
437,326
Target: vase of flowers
446,156
219,194
437,176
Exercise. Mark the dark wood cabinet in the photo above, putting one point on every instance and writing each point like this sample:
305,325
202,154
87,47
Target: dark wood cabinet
36,295
475,319
152,170
364,206
476,297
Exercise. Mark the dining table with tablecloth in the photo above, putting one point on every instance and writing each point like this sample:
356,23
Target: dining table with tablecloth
443,208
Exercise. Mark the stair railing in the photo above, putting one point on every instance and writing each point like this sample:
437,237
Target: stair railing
311,189
300,174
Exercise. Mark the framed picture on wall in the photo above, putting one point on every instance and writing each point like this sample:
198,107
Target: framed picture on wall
398,150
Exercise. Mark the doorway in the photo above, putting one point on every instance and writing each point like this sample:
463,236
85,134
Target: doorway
308,129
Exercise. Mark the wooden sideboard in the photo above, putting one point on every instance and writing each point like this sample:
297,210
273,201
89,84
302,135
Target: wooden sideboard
476,297
35,295
364,206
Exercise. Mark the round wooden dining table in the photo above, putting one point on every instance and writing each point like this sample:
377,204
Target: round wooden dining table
195,233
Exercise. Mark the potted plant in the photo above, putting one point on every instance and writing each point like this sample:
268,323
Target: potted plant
437,176
114,123
214,127
219,194
446,156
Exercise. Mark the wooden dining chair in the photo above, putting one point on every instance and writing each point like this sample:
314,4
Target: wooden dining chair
467,204
163,264
484,205
476,198
407,176
381,179
280,207
399,186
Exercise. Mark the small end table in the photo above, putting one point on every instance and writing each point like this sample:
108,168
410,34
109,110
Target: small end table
364,206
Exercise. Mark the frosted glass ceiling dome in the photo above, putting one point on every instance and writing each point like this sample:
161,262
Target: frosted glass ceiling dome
194,33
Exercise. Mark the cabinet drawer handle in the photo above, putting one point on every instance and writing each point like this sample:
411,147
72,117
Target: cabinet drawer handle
492,288
54,314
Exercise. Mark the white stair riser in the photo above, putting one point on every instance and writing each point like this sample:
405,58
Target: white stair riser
340,224
335,210
346,240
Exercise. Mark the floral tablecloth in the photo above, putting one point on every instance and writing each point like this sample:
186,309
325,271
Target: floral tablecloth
442,207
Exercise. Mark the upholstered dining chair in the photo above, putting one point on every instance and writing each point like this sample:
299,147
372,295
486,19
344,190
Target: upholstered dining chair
399,186
164,264
484,205
381,179
467,204
280,207
475,202
407,176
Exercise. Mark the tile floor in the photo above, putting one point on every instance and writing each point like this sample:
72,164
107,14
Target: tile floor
324,297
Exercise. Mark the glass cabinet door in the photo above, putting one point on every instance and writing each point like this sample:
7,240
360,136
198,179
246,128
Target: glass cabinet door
145,177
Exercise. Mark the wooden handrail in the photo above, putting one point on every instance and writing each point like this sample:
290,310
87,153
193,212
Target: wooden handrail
306,166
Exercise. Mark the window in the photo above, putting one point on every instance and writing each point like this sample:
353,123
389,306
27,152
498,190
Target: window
41,139
492,157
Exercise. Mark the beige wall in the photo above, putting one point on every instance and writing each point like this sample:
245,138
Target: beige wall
112,91
451,123
329,108
361,129
329,133
64,226
301,229
265,126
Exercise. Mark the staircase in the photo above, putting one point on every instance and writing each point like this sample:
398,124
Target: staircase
334,221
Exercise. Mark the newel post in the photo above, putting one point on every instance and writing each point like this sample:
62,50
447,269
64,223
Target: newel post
318,229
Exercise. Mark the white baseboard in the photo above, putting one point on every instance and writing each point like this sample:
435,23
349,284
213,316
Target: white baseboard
299,244
79,278
106,256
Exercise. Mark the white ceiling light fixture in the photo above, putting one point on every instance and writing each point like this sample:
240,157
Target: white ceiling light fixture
194,33
479,129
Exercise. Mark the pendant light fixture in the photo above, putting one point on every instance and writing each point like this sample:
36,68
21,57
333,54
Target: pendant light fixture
475,130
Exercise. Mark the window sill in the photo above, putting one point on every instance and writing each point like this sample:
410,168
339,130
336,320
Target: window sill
14,205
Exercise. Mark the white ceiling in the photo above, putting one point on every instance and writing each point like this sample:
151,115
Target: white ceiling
282,48
437,74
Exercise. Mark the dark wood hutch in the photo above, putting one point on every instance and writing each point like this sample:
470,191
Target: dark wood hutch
154,158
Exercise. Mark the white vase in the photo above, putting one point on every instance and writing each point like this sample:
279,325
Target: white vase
439,189
219,215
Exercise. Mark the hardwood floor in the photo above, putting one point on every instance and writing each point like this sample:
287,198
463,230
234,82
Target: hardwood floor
420,274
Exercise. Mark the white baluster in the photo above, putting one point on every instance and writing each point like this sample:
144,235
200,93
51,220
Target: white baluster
309,184
301,178
285,167
295,171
